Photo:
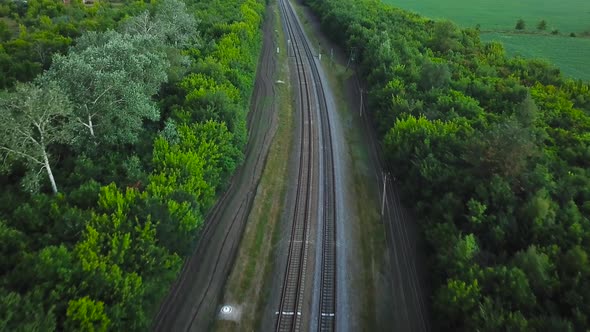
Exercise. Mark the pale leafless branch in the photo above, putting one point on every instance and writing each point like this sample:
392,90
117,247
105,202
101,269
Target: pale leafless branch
24,155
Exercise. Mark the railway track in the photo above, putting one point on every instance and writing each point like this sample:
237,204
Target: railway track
290,308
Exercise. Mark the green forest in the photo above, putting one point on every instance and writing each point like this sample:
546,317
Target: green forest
120,124
493,155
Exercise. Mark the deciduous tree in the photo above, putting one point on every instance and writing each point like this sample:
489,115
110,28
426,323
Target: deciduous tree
85,314
31,120
110,78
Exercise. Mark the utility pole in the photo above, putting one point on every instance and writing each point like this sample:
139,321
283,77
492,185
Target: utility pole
332,55
350,57
384,193
361,106
288,47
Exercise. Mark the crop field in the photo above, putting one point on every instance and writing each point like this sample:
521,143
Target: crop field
497,21
571,55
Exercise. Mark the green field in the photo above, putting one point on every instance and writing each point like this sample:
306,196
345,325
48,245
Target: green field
571,55
498,18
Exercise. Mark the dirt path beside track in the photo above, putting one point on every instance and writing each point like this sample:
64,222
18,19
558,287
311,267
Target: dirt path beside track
192,303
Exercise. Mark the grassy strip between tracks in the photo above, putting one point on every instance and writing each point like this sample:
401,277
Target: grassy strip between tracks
371,242
251,275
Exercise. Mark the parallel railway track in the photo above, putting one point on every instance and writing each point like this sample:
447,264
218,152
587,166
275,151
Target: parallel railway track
290,308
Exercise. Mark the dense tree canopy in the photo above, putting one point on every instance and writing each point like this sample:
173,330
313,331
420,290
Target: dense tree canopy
141,123
32,31
492,152
110,78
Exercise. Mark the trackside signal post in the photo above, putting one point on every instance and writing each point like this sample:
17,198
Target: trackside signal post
384,193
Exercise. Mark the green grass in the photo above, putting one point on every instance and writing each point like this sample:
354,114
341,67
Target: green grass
497,20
